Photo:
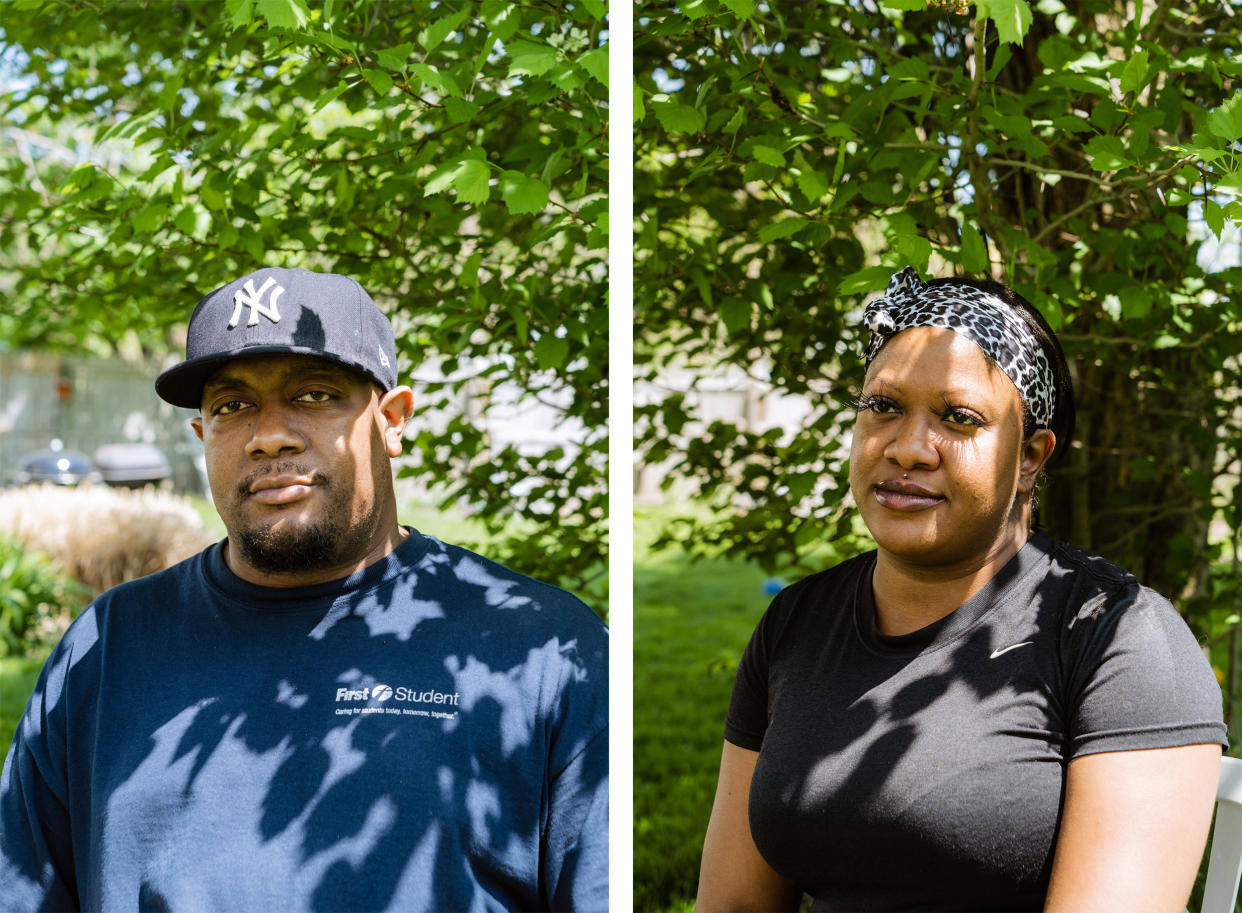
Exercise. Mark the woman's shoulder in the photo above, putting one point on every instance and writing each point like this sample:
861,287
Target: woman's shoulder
842,577
810,599
1069,557
1089,587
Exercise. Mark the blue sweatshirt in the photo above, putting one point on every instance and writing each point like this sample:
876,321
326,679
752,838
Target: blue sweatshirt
429,733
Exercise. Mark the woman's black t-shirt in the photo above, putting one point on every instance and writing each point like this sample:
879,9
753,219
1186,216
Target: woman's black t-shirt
927,771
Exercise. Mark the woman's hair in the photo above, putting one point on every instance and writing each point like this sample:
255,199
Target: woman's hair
1063,411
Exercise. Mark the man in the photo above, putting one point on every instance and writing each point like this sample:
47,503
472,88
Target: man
326,710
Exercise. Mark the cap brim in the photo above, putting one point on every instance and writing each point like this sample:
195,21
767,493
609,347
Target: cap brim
182,384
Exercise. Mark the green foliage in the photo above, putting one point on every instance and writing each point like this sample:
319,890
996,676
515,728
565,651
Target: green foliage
450,157
35,597
792,156
17,681
682,681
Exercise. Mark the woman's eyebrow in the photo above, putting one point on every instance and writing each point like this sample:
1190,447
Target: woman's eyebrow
959,393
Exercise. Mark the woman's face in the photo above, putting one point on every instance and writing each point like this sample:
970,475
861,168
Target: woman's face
934,408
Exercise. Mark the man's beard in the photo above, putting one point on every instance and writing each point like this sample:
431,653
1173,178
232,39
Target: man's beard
296,548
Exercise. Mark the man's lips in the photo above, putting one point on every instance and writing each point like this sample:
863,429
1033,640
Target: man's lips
906,496
281,489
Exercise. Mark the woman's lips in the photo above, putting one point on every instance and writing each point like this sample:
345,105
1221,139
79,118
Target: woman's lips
898,494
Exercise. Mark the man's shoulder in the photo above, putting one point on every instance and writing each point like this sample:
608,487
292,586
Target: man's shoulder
487,583
151,588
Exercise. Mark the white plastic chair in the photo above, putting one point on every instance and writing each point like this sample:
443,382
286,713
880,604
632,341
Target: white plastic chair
1225,863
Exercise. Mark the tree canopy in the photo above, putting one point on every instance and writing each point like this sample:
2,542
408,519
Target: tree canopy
450,156
792,156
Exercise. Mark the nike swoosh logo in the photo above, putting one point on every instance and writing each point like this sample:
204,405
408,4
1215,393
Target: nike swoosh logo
996,653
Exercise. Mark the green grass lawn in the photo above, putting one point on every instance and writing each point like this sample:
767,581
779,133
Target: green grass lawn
17,678
691,623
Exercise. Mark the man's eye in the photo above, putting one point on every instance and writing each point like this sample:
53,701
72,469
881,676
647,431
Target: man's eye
230,407
315,396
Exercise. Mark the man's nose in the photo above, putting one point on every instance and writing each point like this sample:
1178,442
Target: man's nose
274,433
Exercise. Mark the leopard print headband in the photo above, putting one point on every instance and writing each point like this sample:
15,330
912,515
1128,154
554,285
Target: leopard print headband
981,317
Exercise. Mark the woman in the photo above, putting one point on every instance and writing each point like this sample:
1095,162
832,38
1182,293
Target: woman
974,715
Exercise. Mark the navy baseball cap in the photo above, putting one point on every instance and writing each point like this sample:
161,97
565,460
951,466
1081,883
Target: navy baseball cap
277,311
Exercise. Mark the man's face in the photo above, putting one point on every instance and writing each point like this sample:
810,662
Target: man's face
297,452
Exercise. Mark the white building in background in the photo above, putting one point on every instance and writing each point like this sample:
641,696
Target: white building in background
88,402
733,395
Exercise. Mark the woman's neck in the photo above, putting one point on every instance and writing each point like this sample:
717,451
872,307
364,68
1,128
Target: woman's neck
910,596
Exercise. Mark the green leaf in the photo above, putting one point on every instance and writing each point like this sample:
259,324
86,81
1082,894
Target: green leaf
1134,76
869,279
597,8
675,117
241,12
128,127
1214,216
442,178
520,321
522,194
186,220
330,96
277,14
1012,18
434,34
915,250
906,5
471,181
1135,302
394,58
974,250
149,218
595,62
433,78
735,313
1107,153
284,14
637,95
697,9
782,229
378,80
212,198
502,18
768,156
743,9
812,184
1226,121
529,59
551,351
460,110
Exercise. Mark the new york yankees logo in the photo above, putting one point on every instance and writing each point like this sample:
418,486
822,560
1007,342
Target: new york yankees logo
248,297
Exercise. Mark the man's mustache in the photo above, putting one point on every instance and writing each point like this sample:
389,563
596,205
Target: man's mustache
285,467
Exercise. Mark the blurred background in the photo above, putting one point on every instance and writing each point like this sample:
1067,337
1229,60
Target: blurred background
450,158
790,157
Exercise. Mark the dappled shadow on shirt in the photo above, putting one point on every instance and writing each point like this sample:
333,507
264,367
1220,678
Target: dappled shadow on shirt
895,756
431,742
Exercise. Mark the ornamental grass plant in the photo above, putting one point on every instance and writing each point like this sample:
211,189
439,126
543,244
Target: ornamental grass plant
103,536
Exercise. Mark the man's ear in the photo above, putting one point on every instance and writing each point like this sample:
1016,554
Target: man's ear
197,424
1035,453
395,408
